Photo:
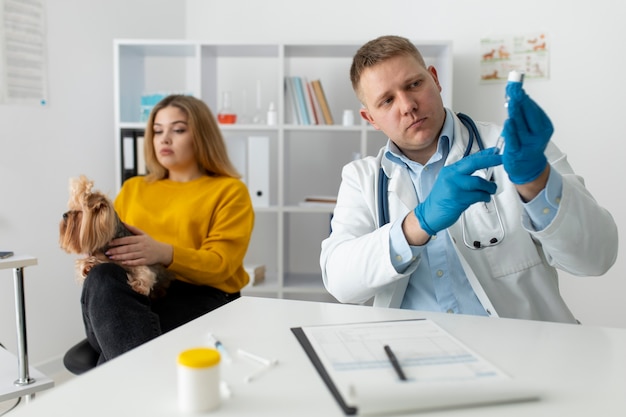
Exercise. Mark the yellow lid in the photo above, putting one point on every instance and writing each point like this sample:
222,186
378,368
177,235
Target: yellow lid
199,357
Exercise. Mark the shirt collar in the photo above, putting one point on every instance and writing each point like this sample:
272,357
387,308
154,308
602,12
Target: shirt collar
394,154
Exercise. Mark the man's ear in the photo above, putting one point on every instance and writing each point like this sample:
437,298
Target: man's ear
365,114
433,73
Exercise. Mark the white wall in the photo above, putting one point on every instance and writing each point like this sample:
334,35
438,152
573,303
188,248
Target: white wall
42,147
583,96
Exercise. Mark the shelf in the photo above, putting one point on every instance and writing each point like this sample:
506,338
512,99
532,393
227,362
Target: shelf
241,50
321,208
304,160
302,282
324,128
248,127
269,285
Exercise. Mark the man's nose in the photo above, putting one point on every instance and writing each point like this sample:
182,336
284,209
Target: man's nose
406,102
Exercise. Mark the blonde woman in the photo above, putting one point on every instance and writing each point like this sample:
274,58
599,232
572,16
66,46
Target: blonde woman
191,213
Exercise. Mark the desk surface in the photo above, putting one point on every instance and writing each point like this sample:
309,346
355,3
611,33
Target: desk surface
17,261
8,362
582,369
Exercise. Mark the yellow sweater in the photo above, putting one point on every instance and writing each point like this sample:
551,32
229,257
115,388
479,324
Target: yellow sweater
208,221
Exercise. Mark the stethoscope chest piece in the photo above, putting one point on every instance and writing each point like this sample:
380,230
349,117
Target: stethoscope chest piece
485,217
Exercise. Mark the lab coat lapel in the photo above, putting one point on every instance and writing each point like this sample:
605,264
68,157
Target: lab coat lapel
402,197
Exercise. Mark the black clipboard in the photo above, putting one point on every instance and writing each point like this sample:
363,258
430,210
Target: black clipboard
474,392
315,360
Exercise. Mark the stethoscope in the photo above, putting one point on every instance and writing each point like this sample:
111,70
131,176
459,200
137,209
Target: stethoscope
474,135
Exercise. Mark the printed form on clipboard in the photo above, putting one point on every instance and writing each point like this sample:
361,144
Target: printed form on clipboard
441,372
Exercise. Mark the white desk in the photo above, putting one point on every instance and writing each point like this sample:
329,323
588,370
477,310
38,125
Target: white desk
583,369
26,380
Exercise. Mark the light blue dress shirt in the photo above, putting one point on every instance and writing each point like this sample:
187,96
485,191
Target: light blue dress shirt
439,283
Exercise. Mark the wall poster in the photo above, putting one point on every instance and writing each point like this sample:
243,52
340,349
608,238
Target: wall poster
23,61
527,53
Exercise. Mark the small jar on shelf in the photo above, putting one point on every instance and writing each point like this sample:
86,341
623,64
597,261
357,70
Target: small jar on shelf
226,115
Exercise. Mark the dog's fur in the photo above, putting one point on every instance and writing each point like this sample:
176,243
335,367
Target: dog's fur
87,228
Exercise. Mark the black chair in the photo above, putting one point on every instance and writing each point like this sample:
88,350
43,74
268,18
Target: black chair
80,358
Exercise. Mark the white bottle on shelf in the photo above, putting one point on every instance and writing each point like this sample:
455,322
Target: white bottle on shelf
272,115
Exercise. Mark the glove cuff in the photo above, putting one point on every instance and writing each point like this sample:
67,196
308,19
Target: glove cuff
533,171
419,213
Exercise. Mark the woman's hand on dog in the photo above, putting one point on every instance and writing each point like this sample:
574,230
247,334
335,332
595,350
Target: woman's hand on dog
139,249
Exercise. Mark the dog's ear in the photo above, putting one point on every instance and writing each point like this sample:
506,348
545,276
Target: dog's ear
98,223
80,191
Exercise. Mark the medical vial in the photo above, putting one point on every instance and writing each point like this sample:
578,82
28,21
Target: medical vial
226,115
514,77
198,380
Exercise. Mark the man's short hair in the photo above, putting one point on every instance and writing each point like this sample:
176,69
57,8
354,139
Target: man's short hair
379,50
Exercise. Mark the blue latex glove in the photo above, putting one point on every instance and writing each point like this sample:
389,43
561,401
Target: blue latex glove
526,134
455,189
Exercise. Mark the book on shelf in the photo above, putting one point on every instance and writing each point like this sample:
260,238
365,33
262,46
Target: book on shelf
318,201
301,101
316,106
306,102
292,115
306,87
321,98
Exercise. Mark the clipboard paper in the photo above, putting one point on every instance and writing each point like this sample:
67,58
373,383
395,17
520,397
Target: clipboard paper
442,372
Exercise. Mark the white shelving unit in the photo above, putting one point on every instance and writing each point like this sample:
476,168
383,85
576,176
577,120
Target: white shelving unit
304,160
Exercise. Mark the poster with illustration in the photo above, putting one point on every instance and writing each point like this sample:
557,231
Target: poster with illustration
528,53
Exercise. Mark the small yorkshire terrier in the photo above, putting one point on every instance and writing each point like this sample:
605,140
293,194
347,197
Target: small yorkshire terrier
87,228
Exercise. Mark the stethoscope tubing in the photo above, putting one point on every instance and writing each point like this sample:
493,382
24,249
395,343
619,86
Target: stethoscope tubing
474,135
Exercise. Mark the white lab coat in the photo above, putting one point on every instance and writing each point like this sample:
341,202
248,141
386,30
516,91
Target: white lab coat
516,278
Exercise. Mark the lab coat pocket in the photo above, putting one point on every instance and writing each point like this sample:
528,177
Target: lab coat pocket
492,240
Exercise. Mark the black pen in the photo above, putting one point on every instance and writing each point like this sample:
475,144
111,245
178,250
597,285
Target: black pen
395,363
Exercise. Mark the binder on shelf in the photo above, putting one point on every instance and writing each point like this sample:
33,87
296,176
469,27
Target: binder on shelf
321,97
140,154
129,158
238,155
251,157
259,170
